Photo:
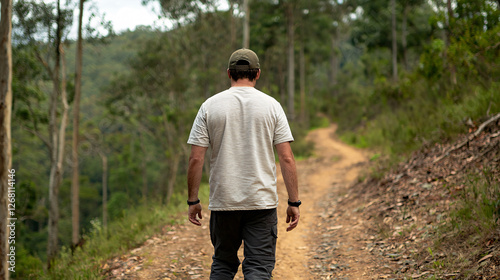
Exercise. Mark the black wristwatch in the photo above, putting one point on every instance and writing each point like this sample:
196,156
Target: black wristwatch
294,204
193,202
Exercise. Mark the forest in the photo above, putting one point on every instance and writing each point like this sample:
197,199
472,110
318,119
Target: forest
100,121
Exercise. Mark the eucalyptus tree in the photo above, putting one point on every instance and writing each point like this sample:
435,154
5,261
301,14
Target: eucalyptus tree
75,183
290,10
375,29
146,101
474,28
246,25
41,29
37,19
319,25
394,42
6,181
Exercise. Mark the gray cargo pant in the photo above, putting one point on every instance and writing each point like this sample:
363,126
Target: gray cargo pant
257,229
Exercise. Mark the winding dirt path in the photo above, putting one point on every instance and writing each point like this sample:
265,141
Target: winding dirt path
334,163
327,244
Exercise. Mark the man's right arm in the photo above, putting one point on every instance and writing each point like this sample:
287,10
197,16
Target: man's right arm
289,172
195,169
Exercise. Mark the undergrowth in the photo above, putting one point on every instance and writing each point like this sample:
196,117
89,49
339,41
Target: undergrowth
419,122
473,222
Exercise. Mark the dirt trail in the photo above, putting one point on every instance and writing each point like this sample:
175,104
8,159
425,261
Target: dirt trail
327,244
334,165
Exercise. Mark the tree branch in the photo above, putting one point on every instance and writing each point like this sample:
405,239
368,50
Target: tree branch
45,64
469,138
40,136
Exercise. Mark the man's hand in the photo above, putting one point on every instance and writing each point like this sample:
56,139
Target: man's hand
293,215
193,211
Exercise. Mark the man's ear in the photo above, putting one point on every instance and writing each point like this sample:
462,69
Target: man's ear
228,74
258,75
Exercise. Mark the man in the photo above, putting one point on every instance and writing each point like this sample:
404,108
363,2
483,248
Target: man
241,125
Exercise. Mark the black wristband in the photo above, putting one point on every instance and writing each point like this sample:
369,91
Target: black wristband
294,204
193,202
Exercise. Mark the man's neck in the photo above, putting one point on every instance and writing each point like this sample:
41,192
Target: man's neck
243,83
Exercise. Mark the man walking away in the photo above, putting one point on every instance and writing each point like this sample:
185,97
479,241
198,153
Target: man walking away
242,125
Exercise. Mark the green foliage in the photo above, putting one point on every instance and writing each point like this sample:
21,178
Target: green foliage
104,61
480,202
27,265
431,61
319,122
301,147
26,86
117,205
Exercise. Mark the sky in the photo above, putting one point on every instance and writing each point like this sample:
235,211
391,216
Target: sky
127,14
124,14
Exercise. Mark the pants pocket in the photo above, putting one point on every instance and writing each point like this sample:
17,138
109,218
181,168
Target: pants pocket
274,231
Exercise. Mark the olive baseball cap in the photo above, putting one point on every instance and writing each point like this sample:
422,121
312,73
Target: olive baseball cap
243,59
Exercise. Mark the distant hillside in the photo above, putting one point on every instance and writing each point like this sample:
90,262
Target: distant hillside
103,60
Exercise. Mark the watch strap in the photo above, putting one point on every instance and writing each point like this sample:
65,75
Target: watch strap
294,204
193,202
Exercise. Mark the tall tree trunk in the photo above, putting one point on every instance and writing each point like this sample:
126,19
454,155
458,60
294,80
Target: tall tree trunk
144,168
302,73
173,176
291,61
394,43
233,25
449,9
206,83
246,25
62,130
334,64
5,119
144,191
447,28
64,119
163,187
282,84
104,191
404,44
52,246
75,183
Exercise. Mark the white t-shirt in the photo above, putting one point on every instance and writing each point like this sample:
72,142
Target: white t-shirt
241,125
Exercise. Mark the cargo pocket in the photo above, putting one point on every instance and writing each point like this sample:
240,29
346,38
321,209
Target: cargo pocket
274,231
274,234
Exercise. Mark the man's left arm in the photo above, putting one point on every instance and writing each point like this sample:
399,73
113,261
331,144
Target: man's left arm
195,170
289,173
